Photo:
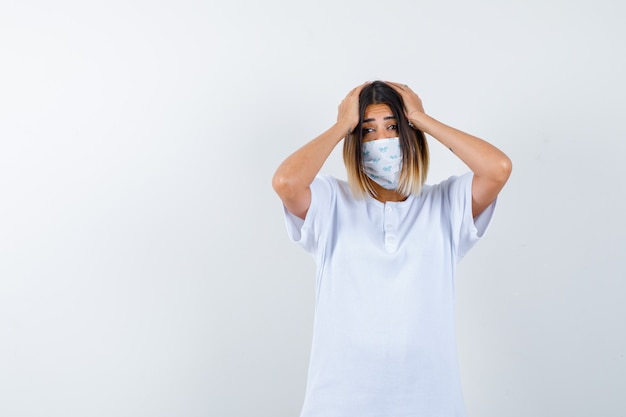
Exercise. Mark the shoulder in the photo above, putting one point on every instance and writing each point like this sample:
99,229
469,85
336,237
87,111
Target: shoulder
453,182
324,190
324,183
334,193
330,184
447,193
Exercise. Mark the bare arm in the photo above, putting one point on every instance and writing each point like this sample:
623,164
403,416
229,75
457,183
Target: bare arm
294,176
491,167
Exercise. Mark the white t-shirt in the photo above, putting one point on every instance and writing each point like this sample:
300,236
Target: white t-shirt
383,335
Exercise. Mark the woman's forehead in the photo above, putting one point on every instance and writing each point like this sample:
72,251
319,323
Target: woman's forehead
377,111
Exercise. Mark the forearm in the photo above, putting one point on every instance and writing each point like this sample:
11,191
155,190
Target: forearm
298,171
484,159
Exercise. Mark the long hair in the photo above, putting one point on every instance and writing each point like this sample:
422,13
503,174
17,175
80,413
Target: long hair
415,156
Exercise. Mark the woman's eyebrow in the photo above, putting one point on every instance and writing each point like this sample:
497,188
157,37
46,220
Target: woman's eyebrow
384,118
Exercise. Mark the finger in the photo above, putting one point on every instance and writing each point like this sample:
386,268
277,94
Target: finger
351,92
357,89
399,87
394,84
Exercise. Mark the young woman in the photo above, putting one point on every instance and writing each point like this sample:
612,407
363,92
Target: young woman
386,248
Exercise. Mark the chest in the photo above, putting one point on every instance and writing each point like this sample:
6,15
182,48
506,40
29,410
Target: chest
383,230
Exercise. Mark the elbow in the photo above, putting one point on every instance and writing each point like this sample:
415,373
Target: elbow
503,169
497,171
283,185
279,183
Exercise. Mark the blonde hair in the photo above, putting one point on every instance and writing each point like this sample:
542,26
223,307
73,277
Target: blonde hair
415,155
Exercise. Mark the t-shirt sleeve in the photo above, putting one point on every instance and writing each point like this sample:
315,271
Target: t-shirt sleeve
308,232
466,229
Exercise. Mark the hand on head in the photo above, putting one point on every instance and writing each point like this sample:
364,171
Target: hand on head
348,111
412,102
349,107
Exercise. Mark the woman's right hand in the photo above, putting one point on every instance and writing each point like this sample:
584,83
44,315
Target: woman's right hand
293,178
348,111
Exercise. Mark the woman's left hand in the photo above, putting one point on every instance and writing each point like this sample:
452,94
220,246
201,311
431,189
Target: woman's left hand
412,103
491,167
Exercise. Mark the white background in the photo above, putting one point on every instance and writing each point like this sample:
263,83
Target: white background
145,269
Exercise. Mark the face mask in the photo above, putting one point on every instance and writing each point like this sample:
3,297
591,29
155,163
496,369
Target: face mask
382,160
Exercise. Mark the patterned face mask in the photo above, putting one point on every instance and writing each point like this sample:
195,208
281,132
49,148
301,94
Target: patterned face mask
382,160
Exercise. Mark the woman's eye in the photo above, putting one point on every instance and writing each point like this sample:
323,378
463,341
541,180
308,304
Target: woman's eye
393,127
367,130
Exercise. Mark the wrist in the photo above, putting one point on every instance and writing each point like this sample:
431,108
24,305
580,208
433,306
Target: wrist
419,120
345,126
